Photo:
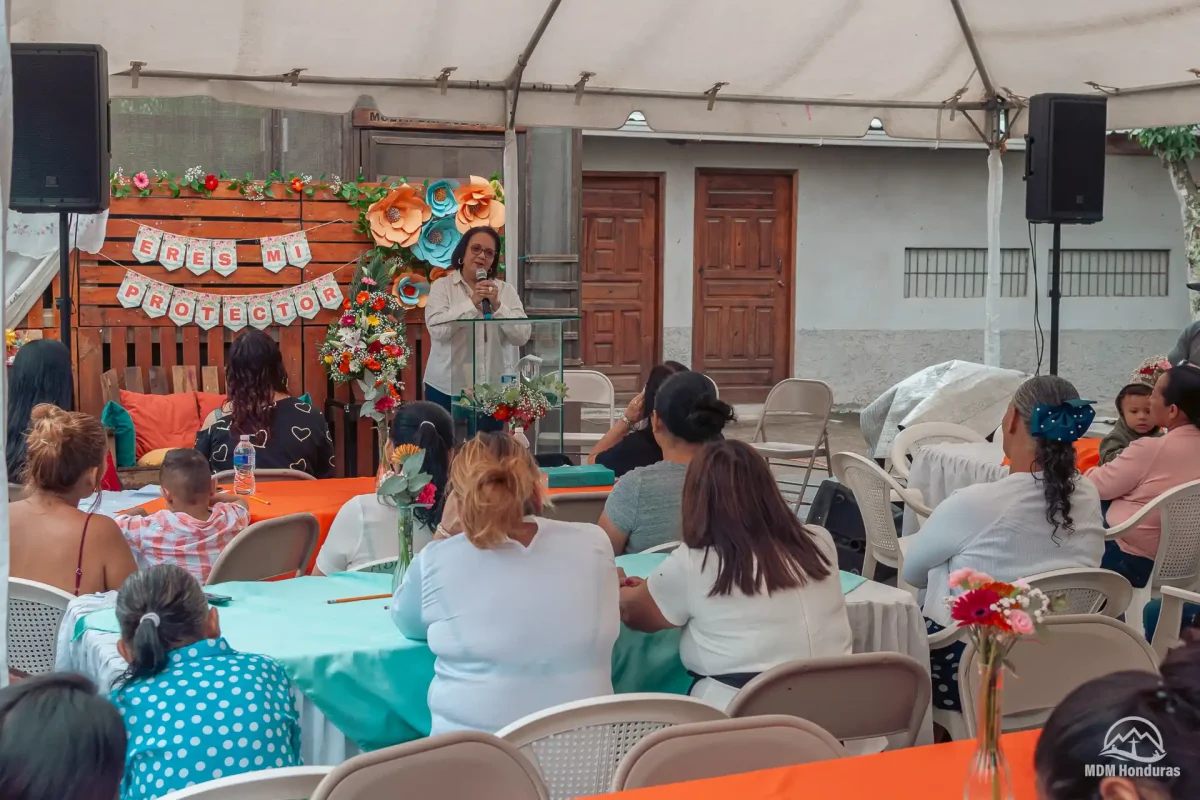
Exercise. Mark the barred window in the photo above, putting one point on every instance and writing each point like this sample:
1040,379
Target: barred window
1115,273
962,272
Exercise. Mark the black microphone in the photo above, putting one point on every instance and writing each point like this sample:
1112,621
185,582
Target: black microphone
486,305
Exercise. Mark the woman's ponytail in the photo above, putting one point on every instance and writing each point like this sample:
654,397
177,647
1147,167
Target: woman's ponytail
429,427
498,484
159,609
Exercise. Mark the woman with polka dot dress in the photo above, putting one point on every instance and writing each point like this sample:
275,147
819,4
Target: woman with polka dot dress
194,709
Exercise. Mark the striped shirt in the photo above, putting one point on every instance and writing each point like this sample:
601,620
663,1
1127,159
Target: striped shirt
165,537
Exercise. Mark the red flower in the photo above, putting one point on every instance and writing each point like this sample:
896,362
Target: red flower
348,320
501,413
975,608
393,350
361,297
344,367
374,347
297,185
385,404
345,304
378,303
371,364
427,495
210,182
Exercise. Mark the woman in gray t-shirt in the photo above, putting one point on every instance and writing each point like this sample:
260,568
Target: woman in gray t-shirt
643,509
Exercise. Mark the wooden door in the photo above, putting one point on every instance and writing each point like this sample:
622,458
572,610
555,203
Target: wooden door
621,269
742,328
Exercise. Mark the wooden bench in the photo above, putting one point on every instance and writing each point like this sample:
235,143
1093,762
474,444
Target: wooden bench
183,380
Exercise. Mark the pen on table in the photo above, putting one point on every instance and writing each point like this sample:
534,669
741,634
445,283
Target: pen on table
356,599
257,499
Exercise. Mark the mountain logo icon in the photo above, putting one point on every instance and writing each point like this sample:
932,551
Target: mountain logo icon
1134,739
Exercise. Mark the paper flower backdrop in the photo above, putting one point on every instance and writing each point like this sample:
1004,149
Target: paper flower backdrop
480,203
440,196
412,290
436,244
398,217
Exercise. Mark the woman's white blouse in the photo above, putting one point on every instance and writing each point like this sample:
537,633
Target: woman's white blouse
515,629
363,531
450,345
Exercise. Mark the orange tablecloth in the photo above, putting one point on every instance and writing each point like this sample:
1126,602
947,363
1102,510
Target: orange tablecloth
323,499
936,772
1087,453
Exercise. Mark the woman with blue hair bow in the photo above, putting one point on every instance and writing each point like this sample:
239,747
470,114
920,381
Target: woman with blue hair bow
1042,516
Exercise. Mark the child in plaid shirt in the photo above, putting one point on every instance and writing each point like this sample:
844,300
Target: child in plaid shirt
197,524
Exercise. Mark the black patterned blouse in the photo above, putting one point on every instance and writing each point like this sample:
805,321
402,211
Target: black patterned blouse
298,439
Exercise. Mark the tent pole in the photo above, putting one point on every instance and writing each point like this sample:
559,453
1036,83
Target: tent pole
512,200
1055,295
64,279
991,299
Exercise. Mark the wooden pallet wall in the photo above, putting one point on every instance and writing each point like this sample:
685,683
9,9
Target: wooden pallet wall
109,336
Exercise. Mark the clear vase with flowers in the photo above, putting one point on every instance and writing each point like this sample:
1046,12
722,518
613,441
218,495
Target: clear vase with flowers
405,487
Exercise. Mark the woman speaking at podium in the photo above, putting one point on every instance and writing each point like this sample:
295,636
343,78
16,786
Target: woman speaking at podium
471,291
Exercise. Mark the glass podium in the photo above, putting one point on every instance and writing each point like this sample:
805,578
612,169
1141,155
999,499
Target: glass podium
502,371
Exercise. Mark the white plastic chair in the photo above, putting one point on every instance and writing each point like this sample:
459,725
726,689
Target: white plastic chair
665,547
803,399
584,505
267,476
715,388
1170,619
35,611
381,566
908,440
591,388
288,783
1085,591
1177,562
873,489
576,747
1075,649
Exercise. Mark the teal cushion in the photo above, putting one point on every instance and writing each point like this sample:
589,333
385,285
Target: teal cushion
116,417
305,398
580,477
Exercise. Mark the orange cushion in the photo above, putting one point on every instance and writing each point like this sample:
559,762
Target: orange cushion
162,420
209,403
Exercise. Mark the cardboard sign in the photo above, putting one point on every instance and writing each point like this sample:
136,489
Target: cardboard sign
274,257
157,300
133,290
173,251
224,257
208,311
183,307
234,313
328,291
145,246
259,311
298,251
307,304
199,256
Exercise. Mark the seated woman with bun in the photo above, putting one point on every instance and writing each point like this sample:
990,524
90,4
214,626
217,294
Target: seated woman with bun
520,611
630,442
643,509
286,433
50,540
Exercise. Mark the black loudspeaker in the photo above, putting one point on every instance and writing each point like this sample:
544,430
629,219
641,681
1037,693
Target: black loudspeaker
1064,158
60,158
835,510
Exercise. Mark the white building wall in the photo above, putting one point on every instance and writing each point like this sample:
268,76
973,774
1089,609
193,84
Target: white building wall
860,207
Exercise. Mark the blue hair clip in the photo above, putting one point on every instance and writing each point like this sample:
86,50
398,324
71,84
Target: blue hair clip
1062,423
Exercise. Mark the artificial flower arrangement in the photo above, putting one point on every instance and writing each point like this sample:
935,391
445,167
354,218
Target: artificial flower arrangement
519,404
995,615
403,485
366,344
1150,371
12,343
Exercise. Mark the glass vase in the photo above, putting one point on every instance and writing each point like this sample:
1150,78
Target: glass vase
404,530
988,777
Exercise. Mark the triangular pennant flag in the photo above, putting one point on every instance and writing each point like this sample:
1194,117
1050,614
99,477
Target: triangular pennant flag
157,300
298,251
233,312
224,257
172,252
307,304
283,307
199,255
145,246
183,307
208,311
328,291
133,290
259,309
273,256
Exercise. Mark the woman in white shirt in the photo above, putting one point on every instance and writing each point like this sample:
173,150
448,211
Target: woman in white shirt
364,530
751,587
461,295
520,611
1044,515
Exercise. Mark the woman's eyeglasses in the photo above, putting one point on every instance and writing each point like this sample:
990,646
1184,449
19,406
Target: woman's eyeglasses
478,249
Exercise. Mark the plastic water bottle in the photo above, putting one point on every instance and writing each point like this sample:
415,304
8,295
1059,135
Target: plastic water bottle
509,376
243,467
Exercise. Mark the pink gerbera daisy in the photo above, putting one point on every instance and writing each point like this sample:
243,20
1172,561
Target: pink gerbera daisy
141,181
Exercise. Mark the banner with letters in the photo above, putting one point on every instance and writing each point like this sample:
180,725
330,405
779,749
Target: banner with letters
220,255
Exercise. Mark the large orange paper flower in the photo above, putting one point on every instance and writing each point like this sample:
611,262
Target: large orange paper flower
478,206
397,218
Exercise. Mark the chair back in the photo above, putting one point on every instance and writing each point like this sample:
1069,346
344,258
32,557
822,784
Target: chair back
457,766
1178,559
716,389
890,694
288,783
1075,649
380,566
1167,634
271,548
797,397
724,747
16,491
908,440
592,388
35,611
872,489
1085,591
576,747
267,475
582,506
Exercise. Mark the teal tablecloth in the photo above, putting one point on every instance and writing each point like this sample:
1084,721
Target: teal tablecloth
369,681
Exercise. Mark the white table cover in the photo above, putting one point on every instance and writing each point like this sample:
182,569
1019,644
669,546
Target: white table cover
882,618
941,469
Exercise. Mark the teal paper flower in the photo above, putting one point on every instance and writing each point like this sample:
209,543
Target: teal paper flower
412,290
438,239
440,197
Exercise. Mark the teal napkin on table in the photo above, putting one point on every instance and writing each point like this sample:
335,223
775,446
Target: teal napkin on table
582,476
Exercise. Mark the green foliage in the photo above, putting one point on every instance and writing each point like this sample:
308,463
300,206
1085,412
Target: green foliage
1176,143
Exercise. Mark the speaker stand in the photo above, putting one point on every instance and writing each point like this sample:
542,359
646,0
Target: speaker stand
1055,295
64,279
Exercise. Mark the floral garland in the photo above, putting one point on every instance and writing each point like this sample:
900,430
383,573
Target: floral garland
445,209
